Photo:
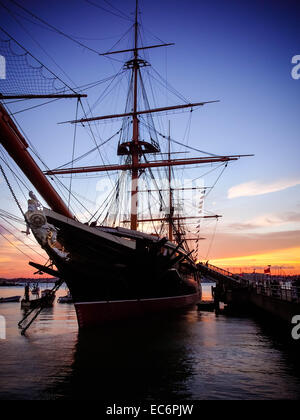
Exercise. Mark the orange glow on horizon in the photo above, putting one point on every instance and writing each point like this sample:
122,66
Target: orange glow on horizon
286,259
15,265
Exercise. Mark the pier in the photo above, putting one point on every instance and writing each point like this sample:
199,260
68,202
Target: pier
239,293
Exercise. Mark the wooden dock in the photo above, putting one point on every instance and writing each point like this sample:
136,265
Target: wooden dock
206,305
239,293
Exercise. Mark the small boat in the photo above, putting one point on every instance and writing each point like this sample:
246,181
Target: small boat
10,299
65,299
30,304
35,290
47,294
46,300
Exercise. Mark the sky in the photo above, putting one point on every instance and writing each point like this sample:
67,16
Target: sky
237,52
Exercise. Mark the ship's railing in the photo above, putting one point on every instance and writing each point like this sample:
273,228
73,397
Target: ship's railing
282,292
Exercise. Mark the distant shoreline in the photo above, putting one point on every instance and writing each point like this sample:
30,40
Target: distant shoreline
21,281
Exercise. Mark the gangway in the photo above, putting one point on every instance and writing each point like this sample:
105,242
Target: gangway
219,274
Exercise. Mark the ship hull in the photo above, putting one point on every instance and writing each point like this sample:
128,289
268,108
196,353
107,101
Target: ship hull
93,314
118,274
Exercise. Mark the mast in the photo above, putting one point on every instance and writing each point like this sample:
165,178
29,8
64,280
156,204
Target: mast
16,146
135,134
171,210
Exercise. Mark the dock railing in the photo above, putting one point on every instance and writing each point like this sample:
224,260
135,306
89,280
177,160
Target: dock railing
222,271
282,292
266,288
235,277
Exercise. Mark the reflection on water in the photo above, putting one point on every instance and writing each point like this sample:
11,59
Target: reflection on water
140,360
207,291
191,355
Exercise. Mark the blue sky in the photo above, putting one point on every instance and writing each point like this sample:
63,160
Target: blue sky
238,52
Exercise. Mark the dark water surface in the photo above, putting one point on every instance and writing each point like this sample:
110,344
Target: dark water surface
188,356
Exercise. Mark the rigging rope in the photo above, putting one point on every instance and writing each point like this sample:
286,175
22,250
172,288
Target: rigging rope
106,90
89,152
167,85
53,27
118,10
20,240
6,215
94,139
34,40
11,190
179,143
108,11
73,153
25,78
55,178
26,255
212,240
53,31
79,89
15,175
225,166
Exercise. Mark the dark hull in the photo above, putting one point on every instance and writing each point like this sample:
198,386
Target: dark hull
102,298
91,314
119,274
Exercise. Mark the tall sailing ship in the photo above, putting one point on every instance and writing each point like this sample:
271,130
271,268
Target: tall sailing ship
115,269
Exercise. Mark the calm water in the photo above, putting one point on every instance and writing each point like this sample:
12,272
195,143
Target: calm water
188,356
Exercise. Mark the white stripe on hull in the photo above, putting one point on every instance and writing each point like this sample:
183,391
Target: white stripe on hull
134,300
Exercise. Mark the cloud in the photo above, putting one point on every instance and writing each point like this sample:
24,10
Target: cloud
267,221
252,188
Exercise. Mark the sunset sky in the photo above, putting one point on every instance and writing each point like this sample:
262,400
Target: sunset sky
238,52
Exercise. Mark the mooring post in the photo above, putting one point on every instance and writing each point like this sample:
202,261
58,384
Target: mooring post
215,294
